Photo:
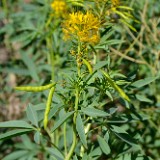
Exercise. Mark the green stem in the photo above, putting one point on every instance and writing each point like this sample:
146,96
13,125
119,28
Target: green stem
79,71
69,155
77,94
52,64
87,128
51,55
50,135
65,138
4,2
79,56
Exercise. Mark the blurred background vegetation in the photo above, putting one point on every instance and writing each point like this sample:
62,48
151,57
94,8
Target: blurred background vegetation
24,60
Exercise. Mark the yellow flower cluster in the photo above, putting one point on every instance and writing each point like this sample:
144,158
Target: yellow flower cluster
59,7
115,3
83,27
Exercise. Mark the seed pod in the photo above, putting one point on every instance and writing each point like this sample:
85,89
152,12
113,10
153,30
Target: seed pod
48,107
88,66
115,86
76,2
34,88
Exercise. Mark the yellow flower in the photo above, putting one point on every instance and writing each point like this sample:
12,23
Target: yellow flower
59,7
115,3
82,27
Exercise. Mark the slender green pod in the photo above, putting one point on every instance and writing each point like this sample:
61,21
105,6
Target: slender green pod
76,2
34,88
88,66
115,86
48,107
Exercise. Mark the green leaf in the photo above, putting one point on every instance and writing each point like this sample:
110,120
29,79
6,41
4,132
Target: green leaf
104,145
32,115
31,66
94,112
124,156
15,124
27,142
16,155
112,42
100,64
85,157
75,157
55,152
117,129
109,95
96,152
143,98
130,26
112,110
14,133
53,111
15,70
126,138
106,137
37,137
123,135
108,35
80,130
20,37
115,86
61,120
143,82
